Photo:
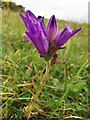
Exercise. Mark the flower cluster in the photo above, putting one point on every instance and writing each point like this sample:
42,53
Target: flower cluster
46,40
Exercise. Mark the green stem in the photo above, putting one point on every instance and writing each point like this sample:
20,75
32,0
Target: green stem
35,97
65,83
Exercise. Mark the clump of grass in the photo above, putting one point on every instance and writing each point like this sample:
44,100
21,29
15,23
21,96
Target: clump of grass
66,91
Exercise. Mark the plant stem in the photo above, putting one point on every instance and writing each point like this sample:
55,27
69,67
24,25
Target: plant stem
65,83
35,97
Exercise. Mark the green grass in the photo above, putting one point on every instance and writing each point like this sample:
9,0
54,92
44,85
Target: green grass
65,93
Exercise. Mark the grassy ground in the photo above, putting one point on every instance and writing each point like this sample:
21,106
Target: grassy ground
65,93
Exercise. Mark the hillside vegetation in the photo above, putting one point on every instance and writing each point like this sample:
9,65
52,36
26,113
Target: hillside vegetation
65,93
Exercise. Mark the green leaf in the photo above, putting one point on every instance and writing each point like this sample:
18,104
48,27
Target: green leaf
78,86
51,102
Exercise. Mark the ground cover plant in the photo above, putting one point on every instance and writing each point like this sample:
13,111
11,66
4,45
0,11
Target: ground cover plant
65,93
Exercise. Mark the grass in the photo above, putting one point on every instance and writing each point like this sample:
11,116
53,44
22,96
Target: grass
65,93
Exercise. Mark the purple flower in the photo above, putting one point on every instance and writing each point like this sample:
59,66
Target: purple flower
35,31
51,29
64,34
44,39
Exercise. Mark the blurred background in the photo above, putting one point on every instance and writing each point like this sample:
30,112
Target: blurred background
76,10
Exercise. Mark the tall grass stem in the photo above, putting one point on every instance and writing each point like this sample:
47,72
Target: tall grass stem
35,97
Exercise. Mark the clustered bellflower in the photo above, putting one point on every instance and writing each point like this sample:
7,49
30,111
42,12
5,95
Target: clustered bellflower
46,40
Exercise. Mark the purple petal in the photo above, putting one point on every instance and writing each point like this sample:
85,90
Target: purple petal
65,34
24,19
28,23
30,15
68,25
35,32
39,41
41,20
75,31
27,38
51,29
43,41
31,27
62,36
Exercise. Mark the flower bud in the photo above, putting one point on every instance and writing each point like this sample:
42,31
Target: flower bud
54,59
23,82
54,48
